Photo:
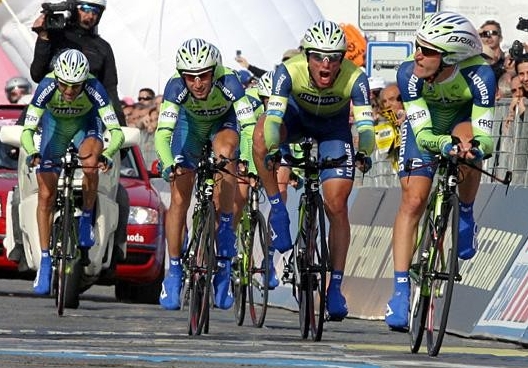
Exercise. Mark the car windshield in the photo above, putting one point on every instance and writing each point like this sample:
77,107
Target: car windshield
129,167
8,157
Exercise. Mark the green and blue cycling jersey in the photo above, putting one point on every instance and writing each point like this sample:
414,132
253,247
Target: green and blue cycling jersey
185,123
62,121
246,134
322,114
434,109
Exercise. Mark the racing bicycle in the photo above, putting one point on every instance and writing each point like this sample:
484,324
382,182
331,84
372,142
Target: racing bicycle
199,259
250,269
67,258
434,268
308,264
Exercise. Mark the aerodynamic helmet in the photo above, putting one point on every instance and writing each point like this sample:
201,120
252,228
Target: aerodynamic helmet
324,36
265,83
17,82
196,56
71,67
452,35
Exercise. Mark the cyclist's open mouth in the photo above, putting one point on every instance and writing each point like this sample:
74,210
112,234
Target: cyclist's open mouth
325,77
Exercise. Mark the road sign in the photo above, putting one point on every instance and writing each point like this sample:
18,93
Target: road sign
390,15
384,58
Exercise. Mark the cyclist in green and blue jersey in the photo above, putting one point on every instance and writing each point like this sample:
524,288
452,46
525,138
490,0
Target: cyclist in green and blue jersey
448,89
203,100
311,96
71,104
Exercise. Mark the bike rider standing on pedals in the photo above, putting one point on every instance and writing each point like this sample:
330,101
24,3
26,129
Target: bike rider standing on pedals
311,97
202,101
71,104
448,89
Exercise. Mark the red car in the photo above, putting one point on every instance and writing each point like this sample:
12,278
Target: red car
138,277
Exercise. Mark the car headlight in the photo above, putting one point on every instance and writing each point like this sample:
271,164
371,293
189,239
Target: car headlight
143,216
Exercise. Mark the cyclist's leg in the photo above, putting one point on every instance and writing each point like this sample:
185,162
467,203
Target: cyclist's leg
415,190
91,147
279,220
225,143
54,142
337,185
175,219
467,239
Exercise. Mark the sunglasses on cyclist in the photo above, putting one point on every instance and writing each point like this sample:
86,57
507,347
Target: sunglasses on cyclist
87,8
323,56
426,51
192,77
145,98
488,34
64,85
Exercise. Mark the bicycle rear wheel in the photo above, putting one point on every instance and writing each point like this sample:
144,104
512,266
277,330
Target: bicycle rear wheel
444,274
201,272
420,295
258,270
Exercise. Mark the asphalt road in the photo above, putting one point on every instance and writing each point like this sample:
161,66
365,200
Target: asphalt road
103,333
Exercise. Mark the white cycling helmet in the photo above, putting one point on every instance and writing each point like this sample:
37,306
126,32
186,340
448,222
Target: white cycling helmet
324,36
196,56
265,83
451,34
72,67
100,3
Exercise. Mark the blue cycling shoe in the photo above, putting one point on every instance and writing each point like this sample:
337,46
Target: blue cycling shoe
42,283
279,227
273,279
467,238
86,231
226,241
222,285
397,314
170,291
336,304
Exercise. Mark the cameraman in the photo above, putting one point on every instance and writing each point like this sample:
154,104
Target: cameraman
77,32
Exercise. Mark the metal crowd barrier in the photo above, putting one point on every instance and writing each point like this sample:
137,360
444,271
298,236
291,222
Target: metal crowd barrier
510,153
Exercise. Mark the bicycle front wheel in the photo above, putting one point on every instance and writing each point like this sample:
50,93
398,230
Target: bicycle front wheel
68,270
258,270
201,273
240,269
420,295
313,270
318,266
443,275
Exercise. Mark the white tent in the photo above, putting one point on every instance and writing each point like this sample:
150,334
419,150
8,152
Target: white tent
146,34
